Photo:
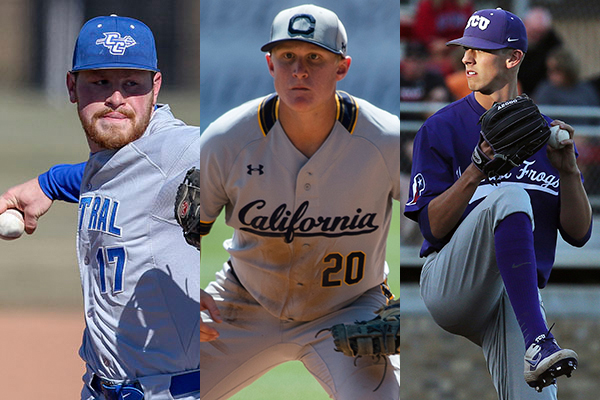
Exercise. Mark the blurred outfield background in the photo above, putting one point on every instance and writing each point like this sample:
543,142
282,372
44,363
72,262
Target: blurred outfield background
39,270
41,322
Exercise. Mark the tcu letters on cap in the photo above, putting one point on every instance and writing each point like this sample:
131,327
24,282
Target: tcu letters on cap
312,24
492,30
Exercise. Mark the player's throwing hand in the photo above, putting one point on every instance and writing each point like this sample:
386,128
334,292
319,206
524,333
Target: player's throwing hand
28,198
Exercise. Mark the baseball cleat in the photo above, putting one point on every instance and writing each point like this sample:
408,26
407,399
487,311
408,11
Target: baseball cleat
545,361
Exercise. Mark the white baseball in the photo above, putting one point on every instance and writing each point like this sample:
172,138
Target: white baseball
12,224
557,135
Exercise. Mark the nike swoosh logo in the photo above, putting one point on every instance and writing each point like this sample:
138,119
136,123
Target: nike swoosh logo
534,361
512,40
519,265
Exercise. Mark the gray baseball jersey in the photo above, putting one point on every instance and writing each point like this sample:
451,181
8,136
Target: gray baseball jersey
309,233
140,279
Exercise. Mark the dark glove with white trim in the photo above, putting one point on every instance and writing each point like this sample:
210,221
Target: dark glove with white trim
187,207
515,130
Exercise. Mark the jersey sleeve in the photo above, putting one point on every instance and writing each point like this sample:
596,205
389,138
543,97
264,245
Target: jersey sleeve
62,182
431,172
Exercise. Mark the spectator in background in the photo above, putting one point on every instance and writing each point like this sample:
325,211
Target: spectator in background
542,39
440,20
435,23
563,86
418,82
595,82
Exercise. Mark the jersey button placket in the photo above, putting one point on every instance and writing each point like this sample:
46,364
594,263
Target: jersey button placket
306,188
307,185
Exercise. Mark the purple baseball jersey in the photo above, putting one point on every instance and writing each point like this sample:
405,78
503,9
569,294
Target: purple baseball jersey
442,151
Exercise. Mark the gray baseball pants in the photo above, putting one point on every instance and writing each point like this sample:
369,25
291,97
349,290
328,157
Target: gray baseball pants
252,341
464,292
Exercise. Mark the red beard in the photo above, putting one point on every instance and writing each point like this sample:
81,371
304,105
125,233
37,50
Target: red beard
115,137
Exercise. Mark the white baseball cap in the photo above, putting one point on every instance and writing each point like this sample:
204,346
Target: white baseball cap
311,24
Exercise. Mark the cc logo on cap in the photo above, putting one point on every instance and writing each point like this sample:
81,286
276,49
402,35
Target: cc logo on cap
302,24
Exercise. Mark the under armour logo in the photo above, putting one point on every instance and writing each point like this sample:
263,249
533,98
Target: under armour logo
302,24
260,169
115,43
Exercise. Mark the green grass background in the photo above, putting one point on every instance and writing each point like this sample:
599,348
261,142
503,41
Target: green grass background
289,381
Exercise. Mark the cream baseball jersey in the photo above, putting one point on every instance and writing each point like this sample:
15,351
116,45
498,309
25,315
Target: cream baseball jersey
309,233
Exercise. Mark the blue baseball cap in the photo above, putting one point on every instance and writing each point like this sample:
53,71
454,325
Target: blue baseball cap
493,29
115,42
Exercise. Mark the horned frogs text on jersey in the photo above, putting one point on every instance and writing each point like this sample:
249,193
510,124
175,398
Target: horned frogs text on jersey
140,278
310,234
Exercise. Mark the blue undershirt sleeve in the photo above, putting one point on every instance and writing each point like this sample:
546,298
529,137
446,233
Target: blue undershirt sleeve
62,182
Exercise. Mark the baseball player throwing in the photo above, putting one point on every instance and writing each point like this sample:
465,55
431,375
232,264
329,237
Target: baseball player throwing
485,262
140,278
307,176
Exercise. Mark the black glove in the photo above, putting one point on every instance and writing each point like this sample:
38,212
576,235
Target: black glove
515,130
187,207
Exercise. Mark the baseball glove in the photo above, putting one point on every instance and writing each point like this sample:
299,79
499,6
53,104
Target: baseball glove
515,130
377,337
187,207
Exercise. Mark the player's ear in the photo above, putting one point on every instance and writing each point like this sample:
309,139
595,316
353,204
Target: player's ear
343,67
156,84
515,58
71,83
270,64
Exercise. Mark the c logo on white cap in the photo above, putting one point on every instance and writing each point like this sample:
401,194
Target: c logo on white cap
302,24
478,21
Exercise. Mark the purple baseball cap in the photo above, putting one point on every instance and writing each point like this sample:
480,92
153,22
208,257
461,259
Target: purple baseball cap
493,29
115,42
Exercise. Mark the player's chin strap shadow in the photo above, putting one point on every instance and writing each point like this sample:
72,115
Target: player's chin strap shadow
376,357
